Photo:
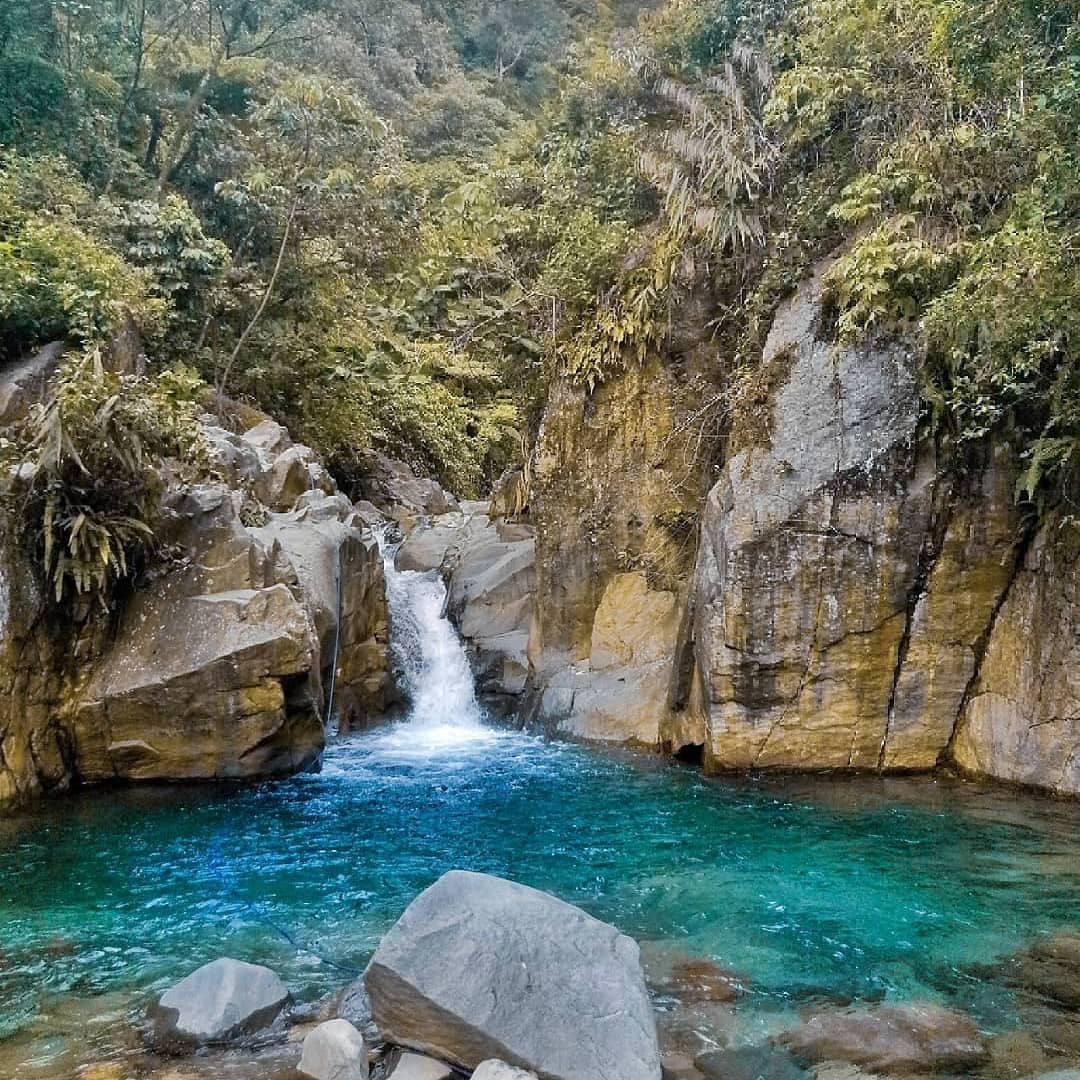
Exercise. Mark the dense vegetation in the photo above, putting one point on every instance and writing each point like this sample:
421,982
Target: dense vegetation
392,225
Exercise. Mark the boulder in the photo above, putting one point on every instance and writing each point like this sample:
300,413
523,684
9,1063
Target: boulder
219,1002
499,1070
333,564
395,489
353,1004
220,668
211,686
478,967
1050,968
749,1063
434,541
286,477
420,1067
335,1050
27,381
916,1037
490,599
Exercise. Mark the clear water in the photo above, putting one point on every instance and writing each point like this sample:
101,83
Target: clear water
863,889
809,888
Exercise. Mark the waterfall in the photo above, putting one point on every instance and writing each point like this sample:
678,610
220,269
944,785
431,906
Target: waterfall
431,661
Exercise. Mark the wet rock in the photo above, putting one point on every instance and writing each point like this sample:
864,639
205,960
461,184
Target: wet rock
749,1063
479,967
499,1070
1050,969
396,490
221,1001
420,1067
335,1050
620,694
490,596
917,1037
353,1004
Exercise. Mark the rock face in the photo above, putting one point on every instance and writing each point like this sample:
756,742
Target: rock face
860,602
620,693
334,1051
219,1002
615,495
478,968
1022,719
222,665
886,1038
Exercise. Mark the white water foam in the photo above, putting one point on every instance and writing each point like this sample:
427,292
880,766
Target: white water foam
444,714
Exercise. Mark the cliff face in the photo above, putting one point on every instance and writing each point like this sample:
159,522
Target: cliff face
615,499
858,602
222,663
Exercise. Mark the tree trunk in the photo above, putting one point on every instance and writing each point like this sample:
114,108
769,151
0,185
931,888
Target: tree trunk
223,382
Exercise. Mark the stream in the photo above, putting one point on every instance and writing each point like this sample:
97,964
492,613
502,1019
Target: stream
811,889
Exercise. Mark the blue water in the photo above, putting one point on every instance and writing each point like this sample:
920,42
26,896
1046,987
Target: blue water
862,889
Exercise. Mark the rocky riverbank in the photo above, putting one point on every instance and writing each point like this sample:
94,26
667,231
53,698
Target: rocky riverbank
483,977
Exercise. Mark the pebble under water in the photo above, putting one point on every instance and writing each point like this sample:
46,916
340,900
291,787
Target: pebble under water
811,889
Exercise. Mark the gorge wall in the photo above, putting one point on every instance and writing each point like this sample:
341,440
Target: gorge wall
222,662
858,601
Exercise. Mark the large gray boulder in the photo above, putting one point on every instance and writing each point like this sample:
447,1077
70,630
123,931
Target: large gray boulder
334,1051
219,1002
478,967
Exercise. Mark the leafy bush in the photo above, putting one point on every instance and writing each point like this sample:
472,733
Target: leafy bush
88,499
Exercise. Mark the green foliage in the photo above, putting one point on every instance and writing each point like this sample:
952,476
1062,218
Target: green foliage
89,498
167,239
1004,343
885,277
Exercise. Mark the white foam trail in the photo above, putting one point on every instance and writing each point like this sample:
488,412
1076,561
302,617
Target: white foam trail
444,713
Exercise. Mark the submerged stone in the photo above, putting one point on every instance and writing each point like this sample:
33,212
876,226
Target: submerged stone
478,967
917,1037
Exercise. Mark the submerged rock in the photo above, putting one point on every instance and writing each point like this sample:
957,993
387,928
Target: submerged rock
1050,968
478,967
749,1063
335,1050
221,1001
917,1037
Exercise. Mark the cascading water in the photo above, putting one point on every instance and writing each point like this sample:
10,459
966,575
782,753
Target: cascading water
431,660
